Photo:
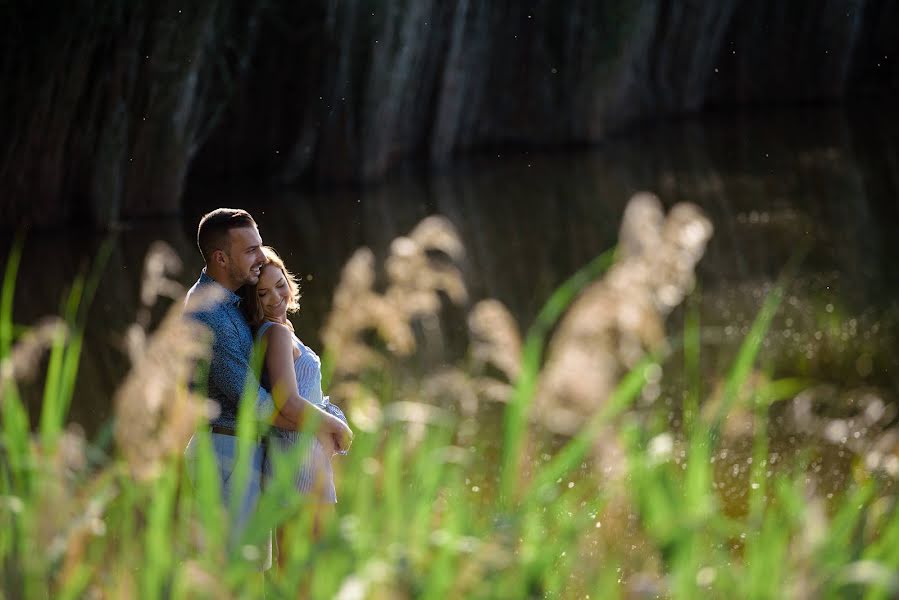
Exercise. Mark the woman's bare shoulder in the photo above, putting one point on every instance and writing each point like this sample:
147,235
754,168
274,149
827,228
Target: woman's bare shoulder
277,332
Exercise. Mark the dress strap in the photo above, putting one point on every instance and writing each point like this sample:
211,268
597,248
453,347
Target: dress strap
262,328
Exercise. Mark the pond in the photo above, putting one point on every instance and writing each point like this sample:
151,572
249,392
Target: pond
773,184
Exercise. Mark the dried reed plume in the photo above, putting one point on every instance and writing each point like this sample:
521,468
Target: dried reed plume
159,262
495,339
420,266
25,355
155,412
608,328
617,319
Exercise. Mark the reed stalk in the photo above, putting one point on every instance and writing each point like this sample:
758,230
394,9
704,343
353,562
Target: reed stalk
422,516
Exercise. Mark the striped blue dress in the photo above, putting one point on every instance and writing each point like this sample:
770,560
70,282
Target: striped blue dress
314,474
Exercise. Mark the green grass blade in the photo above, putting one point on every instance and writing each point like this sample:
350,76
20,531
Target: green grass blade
207,491
247,430
840,545
428,473
443,564
15,443
884,551
76,584
52,403
65,354
158,557
699,498
7,294
15,427
574,451
76,317
532,355
692,357
749,349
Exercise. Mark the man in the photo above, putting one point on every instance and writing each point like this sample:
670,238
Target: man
231,247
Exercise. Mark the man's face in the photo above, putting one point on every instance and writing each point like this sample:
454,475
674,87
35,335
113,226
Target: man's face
244,256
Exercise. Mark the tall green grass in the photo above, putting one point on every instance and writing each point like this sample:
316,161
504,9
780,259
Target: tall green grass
426,518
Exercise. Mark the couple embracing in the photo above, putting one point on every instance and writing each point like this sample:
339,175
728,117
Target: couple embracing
254,296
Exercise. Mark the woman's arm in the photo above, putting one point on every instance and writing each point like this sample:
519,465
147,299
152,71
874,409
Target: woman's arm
293,409
279,365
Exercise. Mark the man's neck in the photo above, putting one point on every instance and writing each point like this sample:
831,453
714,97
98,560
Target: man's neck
220,279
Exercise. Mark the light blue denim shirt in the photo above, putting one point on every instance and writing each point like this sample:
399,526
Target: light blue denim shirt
232,347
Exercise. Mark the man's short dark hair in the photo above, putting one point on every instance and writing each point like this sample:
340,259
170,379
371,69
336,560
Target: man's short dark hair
212,234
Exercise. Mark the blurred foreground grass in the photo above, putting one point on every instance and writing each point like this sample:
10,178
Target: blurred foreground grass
424,513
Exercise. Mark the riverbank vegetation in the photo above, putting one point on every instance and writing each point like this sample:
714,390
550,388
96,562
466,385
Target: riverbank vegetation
465,479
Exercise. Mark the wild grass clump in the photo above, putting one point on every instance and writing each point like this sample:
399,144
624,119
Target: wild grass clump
460,483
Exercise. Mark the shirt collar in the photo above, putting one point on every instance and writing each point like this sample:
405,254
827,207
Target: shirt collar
230,297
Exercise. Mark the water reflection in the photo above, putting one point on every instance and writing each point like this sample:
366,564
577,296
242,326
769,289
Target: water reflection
770,183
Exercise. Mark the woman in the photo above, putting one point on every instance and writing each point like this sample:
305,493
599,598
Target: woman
293,371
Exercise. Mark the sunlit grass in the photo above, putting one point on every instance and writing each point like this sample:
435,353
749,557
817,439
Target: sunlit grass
423,516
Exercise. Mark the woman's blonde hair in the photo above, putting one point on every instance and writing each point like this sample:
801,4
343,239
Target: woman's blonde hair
250,304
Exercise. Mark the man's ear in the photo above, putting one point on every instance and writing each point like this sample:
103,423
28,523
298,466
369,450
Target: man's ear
219,257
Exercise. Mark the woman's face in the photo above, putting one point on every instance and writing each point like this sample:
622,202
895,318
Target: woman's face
273,292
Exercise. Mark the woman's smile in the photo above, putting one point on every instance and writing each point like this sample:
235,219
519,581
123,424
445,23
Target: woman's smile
273,292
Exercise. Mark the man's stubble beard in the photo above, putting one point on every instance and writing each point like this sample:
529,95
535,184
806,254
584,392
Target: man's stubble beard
241,278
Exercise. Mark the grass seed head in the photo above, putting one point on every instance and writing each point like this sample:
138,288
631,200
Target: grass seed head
495,338
155,412
25,356
616,320
419,267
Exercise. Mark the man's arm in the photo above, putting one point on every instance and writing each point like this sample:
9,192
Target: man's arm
230,372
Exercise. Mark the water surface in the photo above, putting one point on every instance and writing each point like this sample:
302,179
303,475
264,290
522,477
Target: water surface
771,183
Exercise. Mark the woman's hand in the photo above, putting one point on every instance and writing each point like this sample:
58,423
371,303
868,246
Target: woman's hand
332,433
